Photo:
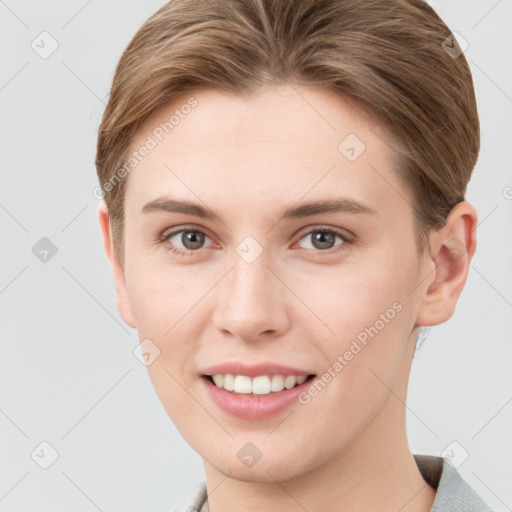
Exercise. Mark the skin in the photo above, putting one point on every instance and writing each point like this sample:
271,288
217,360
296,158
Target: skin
247,158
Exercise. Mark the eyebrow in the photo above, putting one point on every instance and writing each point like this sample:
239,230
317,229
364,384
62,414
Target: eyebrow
294,212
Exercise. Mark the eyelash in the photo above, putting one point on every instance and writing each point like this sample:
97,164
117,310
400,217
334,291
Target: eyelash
347,240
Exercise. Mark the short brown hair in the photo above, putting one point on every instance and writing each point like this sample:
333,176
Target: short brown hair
388,56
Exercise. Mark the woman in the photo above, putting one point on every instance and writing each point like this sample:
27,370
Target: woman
284,210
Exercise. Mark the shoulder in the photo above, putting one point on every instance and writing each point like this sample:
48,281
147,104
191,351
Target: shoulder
194,501
453,493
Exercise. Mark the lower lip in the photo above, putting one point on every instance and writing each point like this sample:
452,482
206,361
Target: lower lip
254,407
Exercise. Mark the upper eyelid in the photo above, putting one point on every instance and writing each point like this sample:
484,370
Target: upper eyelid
320,227
166,233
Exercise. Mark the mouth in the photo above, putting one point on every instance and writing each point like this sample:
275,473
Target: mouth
258,386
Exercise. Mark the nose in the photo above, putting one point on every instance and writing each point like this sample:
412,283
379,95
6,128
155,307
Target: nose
252,302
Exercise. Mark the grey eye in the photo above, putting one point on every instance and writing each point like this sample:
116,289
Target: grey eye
190,239
323,239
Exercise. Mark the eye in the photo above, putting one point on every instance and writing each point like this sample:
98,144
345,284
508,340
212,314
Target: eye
187,241
324,238
190,239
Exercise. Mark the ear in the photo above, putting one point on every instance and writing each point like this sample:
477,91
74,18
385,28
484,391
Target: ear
123,302
451,250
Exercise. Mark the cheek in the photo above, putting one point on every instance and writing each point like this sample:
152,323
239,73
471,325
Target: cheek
372,315
159,296
371,319
168,307
166,312
361,297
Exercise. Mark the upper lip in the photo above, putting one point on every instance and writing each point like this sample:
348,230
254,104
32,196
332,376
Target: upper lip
253,370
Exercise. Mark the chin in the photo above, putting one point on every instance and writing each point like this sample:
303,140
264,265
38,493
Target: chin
260,472
274,465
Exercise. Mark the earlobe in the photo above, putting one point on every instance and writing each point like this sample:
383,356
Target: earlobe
122,298
452,248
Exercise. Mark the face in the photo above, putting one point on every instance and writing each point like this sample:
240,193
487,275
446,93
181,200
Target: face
265,286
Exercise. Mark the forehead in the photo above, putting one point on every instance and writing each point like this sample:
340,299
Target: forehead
275,146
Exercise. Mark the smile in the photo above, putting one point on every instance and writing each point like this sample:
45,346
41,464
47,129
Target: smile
259,385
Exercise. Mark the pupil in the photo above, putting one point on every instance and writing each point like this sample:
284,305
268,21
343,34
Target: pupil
320,238
192,239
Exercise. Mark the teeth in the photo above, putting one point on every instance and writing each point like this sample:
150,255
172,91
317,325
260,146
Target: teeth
219,380
290,381
301,379
261,385
277,383
229,382
243,384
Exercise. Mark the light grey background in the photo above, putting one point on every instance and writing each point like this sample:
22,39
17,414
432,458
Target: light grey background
68,373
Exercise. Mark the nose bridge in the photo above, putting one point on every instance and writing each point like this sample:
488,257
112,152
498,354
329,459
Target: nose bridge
250,303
